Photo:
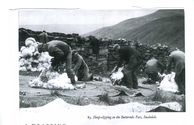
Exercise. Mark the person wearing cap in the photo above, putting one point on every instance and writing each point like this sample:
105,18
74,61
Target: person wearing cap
152,68
177,59
132,60
61,52
81,69
43,37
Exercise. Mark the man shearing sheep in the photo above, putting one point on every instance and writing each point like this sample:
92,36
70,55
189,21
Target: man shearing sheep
132,60
81,69
177,58
152,68
61,53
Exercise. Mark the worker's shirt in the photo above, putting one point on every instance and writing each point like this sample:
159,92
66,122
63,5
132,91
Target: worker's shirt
58,49
177,58
79,62
43,37
125,54
153,66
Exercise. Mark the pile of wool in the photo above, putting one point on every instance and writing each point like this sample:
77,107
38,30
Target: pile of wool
30,59
30,41
29,49
168,83
49,79
117,76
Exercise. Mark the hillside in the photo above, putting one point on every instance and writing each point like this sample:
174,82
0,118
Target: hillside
63,28
163,26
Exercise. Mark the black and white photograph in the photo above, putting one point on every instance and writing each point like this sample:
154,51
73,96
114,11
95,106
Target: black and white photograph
97,66
100,62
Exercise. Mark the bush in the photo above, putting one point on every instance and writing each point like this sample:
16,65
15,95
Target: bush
27,104
55,93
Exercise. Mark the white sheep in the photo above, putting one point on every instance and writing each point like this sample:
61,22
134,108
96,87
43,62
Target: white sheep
168,83
55,81
117,76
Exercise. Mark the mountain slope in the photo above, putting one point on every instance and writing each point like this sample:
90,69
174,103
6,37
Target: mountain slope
168,31
163,26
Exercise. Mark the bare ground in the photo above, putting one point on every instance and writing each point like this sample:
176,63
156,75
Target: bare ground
95,92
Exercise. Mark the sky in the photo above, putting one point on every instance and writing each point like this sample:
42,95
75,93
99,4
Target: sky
77,16
94,19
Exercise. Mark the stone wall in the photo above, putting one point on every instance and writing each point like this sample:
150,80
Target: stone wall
107,60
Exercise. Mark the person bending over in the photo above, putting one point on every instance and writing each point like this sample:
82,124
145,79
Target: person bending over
81,69
132,60
61,53
177,58
152,68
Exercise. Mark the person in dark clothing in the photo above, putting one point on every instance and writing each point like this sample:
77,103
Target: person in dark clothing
44,37
132,60
61,53
95,45
152,68
81,69
177,58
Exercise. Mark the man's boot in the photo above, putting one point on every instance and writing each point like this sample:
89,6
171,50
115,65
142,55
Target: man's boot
73,81
91,77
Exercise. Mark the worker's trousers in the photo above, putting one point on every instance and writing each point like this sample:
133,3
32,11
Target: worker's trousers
69,70
180,80
130,78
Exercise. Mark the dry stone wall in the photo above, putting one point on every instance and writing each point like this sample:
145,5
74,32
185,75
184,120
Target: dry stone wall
105,60
108,61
